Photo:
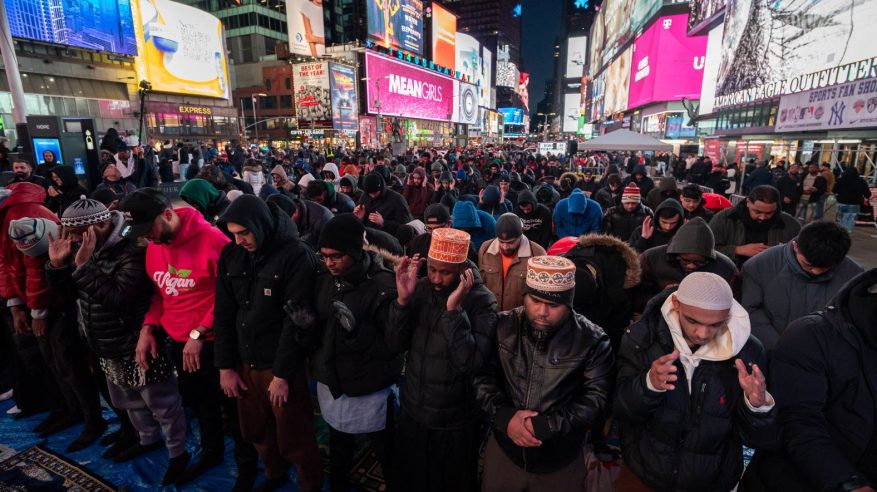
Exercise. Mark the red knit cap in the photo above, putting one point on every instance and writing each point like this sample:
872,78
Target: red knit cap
631,194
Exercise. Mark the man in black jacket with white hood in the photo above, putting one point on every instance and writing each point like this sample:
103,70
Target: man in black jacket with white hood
540,416
690,391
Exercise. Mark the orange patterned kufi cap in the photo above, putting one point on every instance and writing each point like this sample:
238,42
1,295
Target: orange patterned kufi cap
449,245
551,274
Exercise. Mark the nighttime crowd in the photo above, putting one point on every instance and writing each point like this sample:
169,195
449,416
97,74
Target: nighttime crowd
486,319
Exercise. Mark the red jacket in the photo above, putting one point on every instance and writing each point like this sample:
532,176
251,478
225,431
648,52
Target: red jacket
22,277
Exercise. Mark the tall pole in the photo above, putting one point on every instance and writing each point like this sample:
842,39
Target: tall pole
255,122
13,76
380,122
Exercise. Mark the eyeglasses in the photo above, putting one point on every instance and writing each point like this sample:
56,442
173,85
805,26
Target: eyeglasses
333,258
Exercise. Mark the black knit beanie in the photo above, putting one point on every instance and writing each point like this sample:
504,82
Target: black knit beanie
344,233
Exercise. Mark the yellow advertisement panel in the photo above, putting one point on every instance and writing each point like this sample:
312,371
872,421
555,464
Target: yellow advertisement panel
444,33
182,49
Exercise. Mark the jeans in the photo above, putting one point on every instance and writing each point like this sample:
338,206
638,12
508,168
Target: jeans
153,409
846,215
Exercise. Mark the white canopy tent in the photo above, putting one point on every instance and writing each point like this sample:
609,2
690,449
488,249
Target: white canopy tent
626,140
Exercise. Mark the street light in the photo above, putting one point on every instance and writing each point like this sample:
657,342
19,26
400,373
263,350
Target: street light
545,124
256,120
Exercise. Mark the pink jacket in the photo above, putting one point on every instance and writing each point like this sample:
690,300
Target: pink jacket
184,273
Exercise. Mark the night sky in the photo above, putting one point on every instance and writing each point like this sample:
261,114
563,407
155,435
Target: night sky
541,23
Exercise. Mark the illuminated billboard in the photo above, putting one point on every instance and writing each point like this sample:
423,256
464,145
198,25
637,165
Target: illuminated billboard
397,23
571,112
395,88
468,56
617,84
444,36
667,65
182,49
507,74
485,75
799,46
342,84
103,25
576,55
313,100
306,32
512,116
703,12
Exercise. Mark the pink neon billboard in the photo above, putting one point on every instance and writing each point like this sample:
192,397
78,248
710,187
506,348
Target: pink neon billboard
406,90
667,65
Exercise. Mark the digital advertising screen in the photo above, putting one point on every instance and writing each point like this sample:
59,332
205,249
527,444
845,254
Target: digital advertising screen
598,41
342,83
182,49
313,101
571,112
617,84
507,74
444,36
711,69
466,103
103,25
468,56
41,145
576,55
792,39
397,23
703,12
666,65
307,35
512,116
485,75
405,90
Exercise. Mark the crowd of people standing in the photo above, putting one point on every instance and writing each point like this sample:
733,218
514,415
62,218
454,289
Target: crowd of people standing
441,304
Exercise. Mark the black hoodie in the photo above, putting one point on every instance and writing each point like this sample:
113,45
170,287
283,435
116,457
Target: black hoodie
537,224
250,324
69,191
659,237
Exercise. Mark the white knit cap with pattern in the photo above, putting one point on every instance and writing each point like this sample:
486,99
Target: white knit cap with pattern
84,212
706,291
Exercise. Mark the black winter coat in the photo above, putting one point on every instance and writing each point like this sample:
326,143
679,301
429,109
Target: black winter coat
114,294
621,223
445,349
607,198
538,223
356,363
824,376
250,325
392,207
680,441
567,378
313,218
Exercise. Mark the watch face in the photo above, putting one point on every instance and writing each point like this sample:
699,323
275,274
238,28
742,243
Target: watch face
194,334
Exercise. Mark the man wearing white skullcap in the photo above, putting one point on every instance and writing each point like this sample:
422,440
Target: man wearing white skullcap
690,391
550,385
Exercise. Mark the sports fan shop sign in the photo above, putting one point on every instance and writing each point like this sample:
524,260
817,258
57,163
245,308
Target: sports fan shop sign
851,105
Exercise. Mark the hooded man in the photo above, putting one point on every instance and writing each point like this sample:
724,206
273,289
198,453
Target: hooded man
577,215
692,249
380,207
502,262
540,416
621,220
660,229
349,187
309,217
260,350
446,322
609,195
353,367
182,261
204,198
791,280
281,181
114,296
640,177
690,385
445,188
693,203
753,225
418,192
535,217
822,371
64,189
480,225
323,193
665,189
492,201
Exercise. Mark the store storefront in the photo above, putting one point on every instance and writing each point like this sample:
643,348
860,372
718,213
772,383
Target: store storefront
184,122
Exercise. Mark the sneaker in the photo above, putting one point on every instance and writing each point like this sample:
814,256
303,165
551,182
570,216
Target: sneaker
13,411
176,470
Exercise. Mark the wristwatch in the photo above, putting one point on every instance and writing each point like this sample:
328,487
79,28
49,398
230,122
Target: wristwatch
195,335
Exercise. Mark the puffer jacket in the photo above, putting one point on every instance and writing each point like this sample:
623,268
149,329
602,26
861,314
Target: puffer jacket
250,325
311,221
824,375
445,349
688,439
659,237
114,292
356,363
577,215
729,229
567,378
608,198
508,289
777,291
392,207
620,223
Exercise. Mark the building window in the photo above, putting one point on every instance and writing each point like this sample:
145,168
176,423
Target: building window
288,83
286,101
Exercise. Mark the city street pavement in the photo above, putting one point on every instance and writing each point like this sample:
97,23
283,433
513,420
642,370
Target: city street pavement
864,249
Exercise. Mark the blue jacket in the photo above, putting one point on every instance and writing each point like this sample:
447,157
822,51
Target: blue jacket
577,215
478,223
490,202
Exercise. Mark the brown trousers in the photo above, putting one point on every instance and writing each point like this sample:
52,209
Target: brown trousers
502,475
283,436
